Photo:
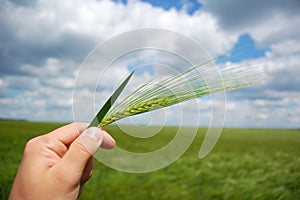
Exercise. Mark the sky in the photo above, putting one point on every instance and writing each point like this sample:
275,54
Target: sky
43,44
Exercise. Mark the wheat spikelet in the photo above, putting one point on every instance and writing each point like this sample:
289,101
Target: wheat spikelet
165,91
134,110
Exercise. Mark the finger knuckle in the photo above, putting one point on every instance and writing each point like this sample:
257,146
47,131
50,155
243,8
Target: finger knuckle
31,145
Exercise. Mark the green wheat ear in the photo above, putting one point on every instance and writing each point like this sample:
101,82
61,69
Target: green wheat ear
164,91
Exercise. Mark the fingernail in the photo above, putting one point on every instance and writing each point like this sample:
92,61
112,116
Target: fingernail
92,139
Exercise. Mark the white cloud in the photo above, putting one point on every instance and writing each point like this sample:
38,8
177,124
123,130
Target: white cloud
267,33
43,44
266,21
274,103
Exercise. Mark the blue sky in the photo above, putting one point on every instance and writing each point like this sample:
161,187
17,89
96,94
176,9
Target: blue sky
245,48
44,43
191,6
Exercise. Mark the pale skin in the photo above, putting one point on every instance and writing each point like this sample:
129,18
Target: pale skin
58,164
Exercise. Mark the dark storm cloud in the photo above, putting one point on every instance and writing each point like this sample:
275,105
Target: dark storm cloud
234,14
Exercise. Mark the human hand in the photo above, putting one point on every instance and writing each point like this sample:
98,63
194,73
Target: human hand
56,165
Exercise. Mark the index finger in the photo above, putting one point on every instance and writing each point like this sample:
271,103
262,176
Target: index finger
68,133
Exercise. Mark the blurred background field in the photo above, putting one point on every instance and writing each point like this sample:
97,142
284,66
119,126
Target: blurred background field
245,164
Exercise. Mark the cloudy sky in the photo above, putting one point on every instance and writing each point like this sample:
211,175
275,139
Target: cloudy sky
44,43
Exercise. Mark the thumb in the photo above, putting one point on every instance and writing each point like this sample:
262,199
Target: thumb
91,139
82,149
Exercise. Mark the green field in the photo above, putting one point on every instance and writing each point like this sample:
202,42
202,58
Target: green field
245,164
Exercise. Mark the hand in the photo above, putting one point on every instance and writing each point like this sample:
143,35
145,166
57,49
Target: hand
56,165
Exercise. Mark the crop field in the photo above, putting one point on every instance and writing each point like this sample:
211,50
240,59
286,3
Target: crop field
245,164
